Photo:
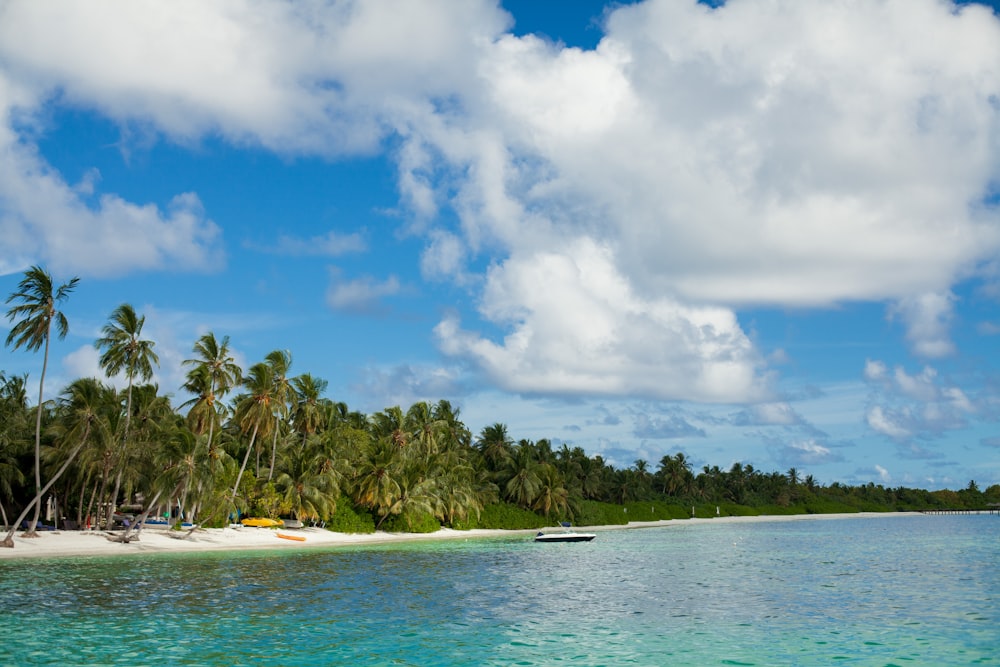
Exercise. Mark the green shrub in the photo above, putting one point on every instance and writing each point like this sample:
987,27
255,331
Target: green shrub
594,513
346,520
411,522
504,516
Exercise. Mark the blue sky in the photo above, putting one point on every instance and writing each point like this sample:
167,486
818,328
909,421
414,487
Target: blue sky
764,232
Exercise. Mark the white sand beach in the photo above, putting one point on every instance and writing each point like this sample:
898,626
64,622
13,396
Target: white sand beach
154,540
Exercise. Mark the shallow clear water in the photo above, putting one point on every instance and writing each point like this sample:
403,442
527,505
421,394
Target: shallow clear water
882,591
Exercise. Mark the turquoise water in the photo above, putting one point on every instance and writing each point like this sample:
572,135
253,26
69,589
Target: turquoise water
882,591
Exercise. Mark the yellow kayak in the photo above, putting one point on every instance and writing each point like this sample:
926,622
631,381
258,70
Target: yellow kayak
297,538
261,523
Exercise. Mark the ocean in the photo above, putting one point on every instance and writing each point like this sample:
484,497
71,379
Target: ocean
915,590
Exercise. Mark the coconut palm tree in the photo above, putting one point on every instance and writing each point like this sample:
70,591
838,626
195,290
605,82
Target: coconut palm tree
123,350
307,487
495,445
280,362
522,474
80,418
255,411
35,313
13,429
307,416
215,363
379,480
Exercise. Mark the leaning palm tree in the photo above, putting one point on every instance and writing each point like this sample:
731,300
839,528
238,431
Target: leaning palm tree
35,314
216,363
79,420
280,362
254,412
124,350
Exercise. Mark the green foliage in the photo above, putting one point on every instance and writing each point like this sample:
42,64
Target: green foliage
411,522
732,509
594,513
346,520
505,516
265,500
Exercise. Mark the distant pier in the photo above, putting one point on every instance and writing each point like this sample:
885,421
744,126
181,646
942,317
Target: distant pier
993,509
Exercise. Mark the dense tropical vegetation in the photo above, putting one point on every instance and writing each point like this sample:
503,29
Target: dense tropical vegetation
264,442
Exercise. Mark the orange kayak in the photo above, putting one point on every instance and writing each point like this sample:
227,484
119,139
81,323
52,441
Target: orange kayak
297,538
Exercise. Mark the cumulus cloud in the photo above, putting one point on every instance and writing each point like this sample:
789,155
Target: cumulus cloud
927,318
44,218
360,295
768,414
578,328
888,423
665,427
808,452
922,405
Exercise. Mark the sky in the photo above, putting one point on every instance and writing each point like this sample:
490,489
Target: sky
764,231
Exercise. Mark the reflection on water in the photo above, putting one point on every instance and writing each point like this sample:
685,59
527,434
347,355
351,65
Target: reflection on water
916,590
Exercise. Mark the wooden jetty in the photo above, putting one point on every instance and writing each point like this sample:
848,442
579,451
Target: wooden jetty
992,509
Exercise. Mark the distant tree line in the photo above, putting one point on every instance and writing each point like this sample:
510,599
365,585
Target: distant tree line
263,441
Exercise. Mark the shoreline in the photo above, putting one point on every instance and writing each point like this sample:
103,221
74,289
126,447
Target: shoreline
66,544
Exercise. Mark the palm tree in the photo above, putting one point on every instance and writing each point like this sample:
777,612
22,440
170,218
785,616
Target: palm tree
254,412
124,350
216,364
495,445
80,419
308,488
379,478
13,427
523,482
307,416
280,362
35,314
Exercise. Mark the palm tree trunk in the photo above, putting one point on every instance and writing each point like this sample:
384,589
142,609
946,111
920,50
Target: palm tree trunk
37,501
113,499
112,506
90,505
127,535
243,467
79,506
274,450
38,436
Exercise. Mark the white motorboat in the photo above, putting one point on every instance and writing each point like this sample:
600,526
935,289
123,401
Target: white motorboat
566,535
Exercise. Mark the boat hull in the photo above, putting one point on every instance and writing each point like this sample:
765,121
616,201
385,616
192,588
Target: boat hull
564,537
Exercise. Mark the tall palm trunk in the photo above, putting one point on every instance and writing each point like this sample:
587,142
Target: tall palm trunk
243,467
38,439
112,505
274,449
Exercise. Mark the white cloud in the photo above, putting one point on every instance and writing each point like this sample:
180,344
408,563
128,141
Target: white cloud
927,318
44,218
875,371
919,387
361,294
577,327
886,424
883,474
808,452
